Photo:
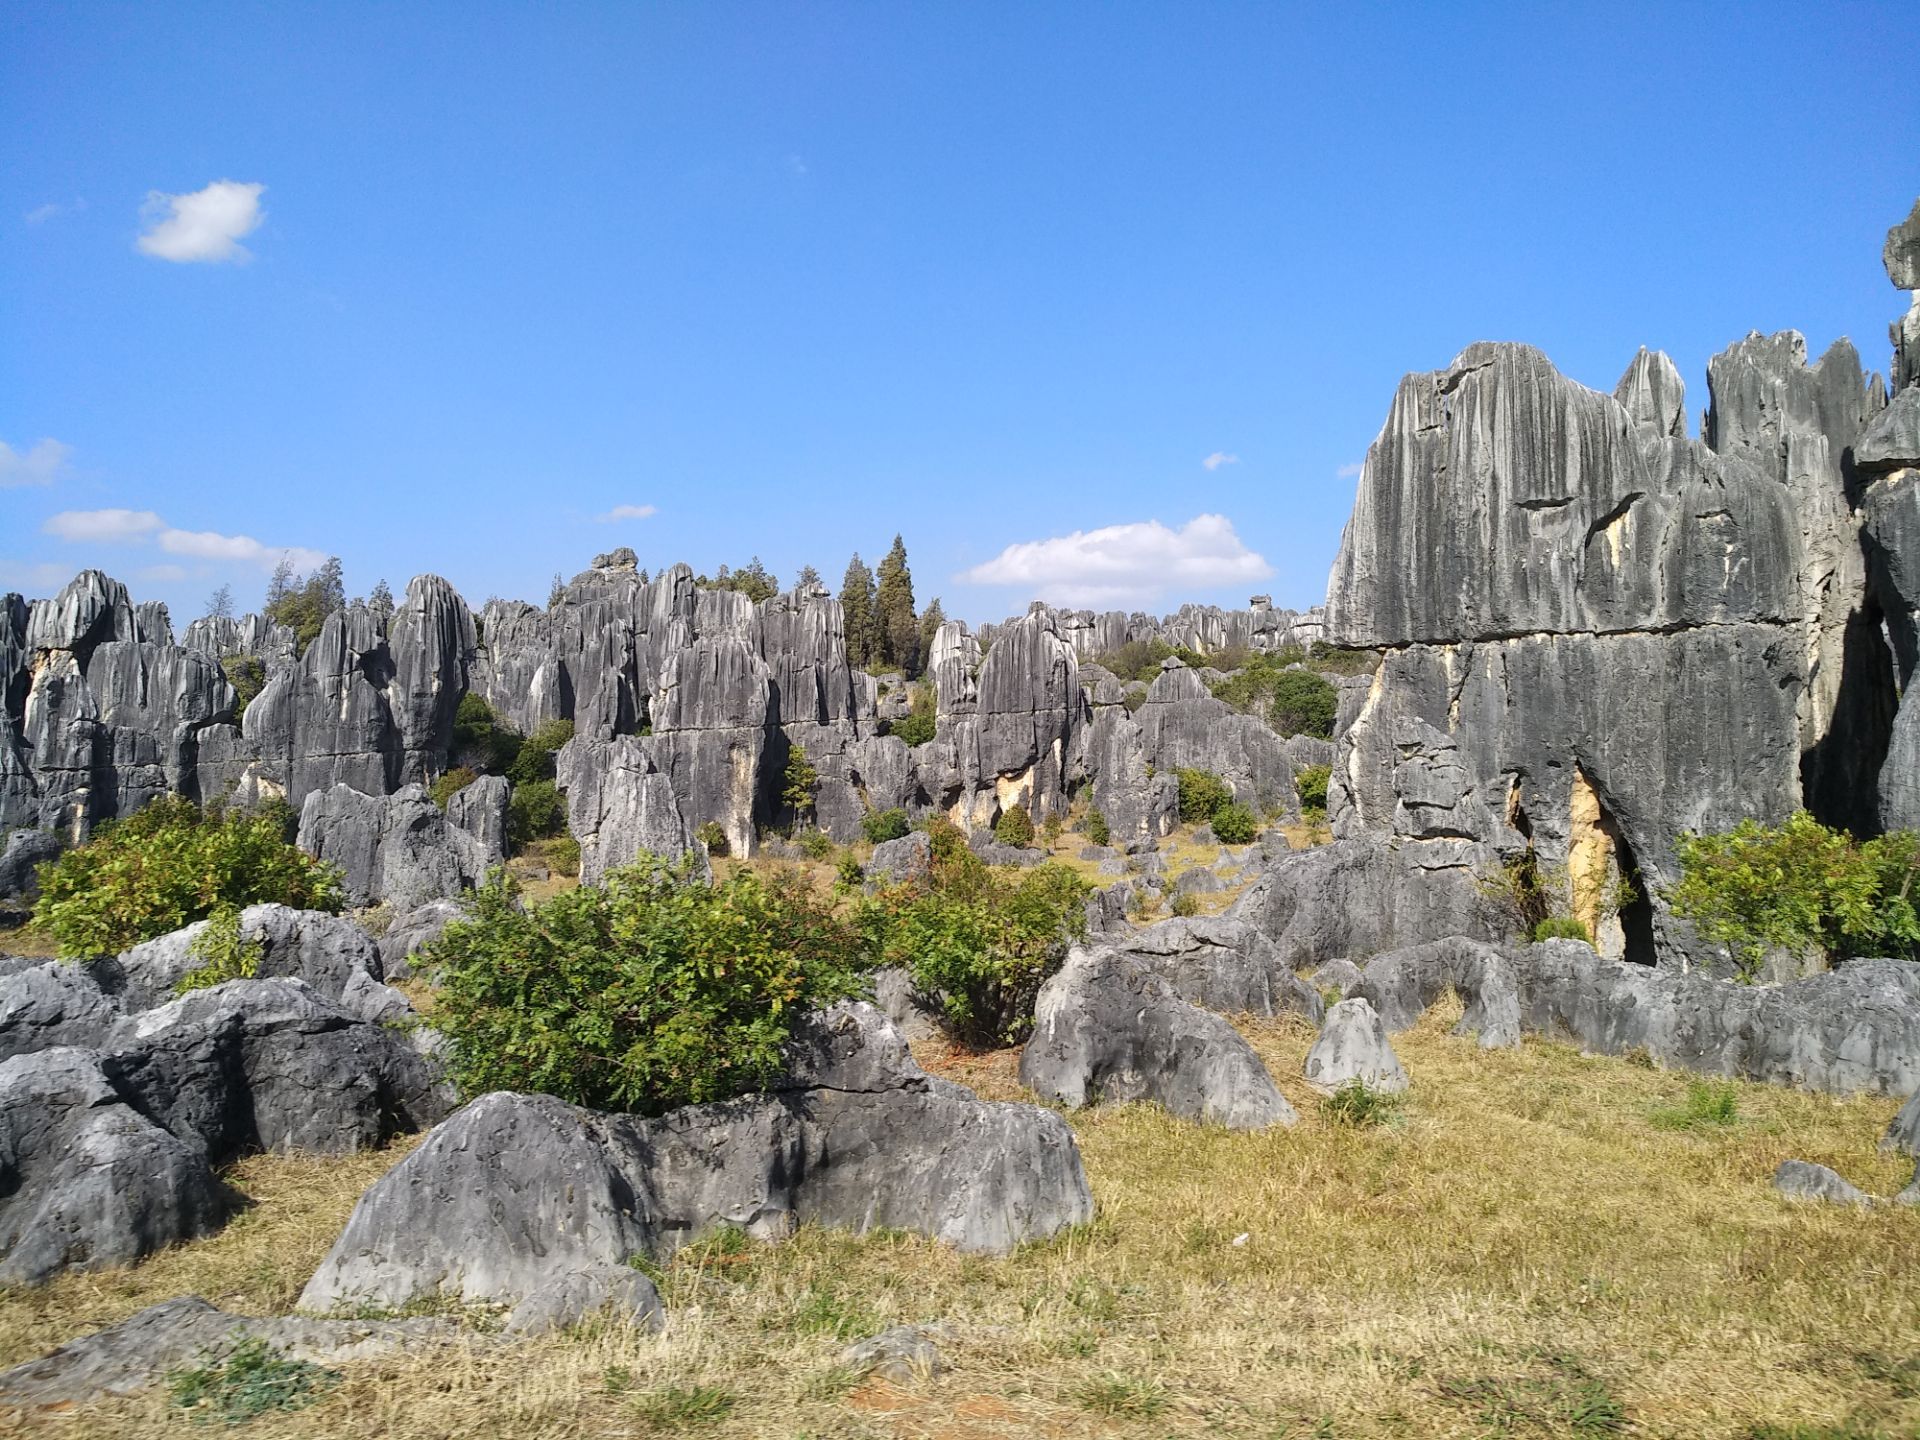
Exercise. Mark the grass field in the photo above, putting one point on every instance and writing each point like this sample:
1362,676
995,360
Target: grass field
1537,1243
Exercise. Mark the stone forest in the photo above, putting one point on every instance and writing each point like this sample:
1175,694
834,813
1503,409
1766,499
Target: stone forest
1485,1004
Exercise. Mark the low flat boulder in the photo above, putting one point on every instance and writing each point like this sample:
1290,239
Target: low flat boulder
1107,1029
1803,1180
1221,964
139,1352
310,945
910,857
515,1190
612,1294
901,1355
52,1003
1353,1046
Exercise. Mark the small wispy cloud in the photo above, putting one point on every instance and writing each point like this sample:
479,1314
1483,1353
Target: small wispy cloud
137,527
625,512
41,465
797,165
1125,564
1350,469
103,527
1219,458
53,210
203,227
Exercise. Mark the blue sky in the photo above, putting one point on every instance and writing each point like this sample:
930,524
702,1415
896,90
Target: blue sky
792,278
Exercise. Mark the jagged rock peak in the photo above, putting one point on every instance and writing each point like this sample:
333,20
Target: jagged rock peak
1902,253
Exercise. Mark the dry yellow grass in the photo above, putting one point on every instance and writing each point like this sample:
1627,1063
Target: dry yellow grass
1522,1253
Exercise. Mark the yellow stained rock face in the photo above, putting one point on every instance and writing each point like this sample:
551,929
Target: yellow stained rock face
1593,865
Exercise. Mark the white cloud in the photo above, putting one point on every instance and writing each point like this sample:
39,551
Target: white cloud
1219,458
39,466
241,549
40,214
1125,564
1350,469
103,527
624,512
161,574
203,226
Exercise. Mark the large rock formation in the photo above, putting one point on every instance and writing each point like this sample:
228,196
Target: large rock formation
401,850
857,1136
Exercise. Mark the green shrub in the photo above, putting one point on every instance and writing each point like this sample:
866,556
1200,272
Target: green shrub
451,784
1133,700
1201,793
171,864
983,941
1710,1105
1098,832
848,874
535,812
562,854
798,781
1310,783
229,955
1800,886
1330,660
880,826
1235,824
814,843
1185,903
652,991
1050,831
534,761
917,726
1303,704
248,676
713,835
1358,1106
1562,927
480,742
249,1380
1014,827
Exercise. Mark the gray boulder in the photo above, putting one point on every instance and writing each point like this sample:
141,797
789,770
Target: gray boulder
618,1294
1403,984
1803,1180
24,853
143,1349
902,1355
1353,1046
910,857
399,850
1221,964
49,1004
323,950
620,804
1108,1030
514,1190
1853,1030
1903,1133
480,809
408,932
914,1015
86,1180
1339,974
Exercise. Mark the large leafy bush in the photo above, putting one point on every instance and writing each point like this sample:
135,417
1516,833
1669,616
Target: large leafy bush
1304,704
652,991
981,940
1201,794
170,864
1800,886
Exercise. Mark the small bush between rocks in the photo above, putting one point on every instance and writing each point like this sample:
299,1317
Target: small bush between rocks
1235,824
535,811
880,826
652,991
1185,904
170,864
713,835
981,940
1014,827
445,787
1304,704
814,843
1358,1106
1562,927
1098,832
534,762
1201,793
248,676
229,955
1801,886
248,1381
480,741
1310,784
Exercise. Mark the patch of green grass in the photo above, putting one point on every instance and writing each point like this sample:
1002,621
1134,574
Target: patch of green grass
1359,1107
674,1406
823,1312
1565,1400
1117,1394
1710,1105
248,1380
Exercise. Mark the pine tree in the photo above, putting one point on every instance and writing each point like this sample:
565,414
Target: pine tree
897,628
556,592
856,602
279,585
808,580
380,602
328,586
220,605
